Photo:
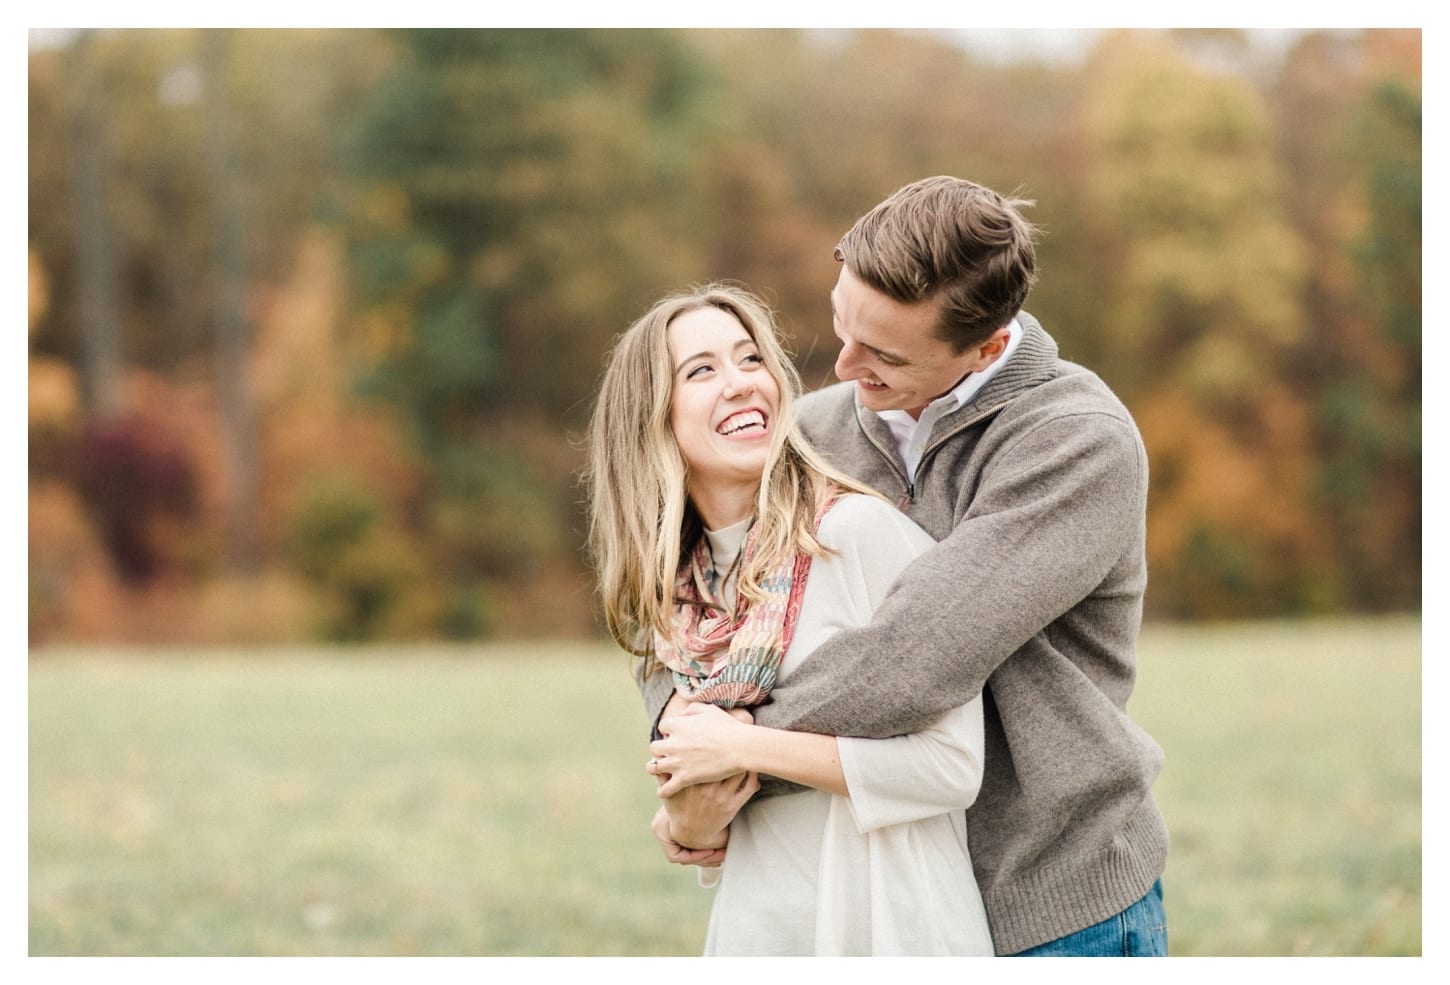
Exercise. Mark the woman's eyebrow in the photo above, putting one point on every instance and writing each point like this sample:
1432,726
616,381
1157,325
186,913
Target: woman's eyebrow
689,359
709,353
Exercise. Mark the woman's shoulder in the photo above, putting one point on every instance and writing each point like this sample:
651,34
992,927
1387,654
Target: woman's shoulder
855,518
854,507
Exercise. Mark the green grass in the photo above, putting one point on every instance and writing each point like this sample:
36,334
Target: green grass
492,801
1293,785
425,802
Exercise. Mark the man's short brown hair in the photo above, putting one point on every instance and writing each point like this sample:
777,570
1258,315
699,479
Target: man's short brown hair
951,240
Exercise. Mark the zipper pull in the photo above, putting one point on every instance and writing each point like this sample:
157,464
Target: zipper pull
905,501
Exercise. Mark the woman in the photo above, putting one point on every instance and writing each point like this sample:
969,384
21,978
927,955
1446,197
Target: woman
727,550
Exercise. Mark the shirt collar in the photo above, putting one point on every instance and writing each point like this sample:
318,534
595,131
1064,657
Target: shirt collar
970,385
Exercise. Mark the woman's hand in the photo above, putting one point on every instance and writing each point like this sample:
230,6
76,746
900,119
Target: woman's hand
700,746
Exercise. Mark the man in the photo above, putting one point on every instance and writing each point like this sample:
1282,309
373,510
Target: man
1033,478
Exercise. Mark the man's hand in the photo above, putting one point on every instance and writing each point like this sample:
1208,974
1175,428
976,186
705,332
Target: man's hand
707,858
677,705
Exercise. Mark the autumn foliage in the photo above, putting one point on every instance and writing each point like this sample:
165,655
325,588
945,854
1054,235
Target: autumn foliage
315,316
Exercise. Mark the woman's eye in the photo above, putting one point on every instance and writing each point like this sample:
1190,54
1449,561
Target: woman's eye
698,370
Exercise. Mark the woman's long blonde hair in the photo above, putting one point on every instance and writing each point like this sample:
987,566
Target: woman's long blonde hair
642,526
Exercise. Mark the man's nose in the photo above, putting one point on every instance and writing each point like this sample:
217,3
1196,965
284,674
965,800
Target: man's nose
848,362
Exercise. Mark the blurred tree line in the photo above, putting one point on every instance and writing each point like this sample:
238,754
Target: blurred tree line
315,316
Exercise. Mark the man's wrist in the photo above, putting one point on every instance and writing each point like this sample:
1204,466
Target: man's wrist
687,835
700,841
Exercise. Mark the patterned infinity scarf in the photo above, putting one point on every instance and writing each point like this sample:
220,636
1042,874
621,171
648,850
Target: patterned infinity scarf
728,660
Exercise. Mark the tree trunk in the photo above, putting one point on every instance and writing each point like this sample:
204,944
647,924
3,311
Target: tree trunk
230,314
97,282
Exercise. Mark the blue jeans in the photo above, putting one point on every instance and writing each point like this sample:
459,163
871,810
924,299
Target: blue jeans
1140,931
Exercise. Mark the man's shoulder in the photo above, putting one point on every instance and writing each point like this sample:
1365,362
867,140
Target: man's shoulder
825,413
836,399
1073,389
1047,391
1076,413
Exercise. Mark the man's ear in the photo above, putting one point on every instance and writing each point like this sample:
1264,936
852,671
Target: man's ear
991,350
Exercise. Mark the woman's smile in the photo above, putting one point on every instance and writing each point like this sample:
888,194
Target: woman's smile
748,423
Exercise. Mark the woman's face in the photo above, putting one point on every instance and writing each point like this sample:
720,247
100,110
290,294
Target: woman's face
723,402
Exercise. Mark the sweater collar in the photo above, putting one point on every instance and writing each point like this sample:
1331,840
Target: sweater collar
1034,363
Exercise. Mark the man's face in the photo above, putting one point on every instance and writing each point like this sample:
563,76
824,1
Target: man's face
890,349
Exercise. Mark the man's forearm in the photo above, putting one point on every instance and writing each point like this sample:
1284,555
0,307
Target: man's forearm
1036,541
851,691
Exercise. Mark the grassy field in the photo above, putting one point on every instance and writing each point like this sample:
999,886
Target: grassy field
492,801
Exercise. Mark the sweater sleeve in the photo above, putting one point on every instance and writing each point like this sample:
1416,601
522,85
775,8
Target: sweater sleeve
656,688
1049,520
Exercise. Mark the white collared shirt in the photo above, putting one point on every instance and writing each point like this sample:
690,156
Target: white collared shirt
911,433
